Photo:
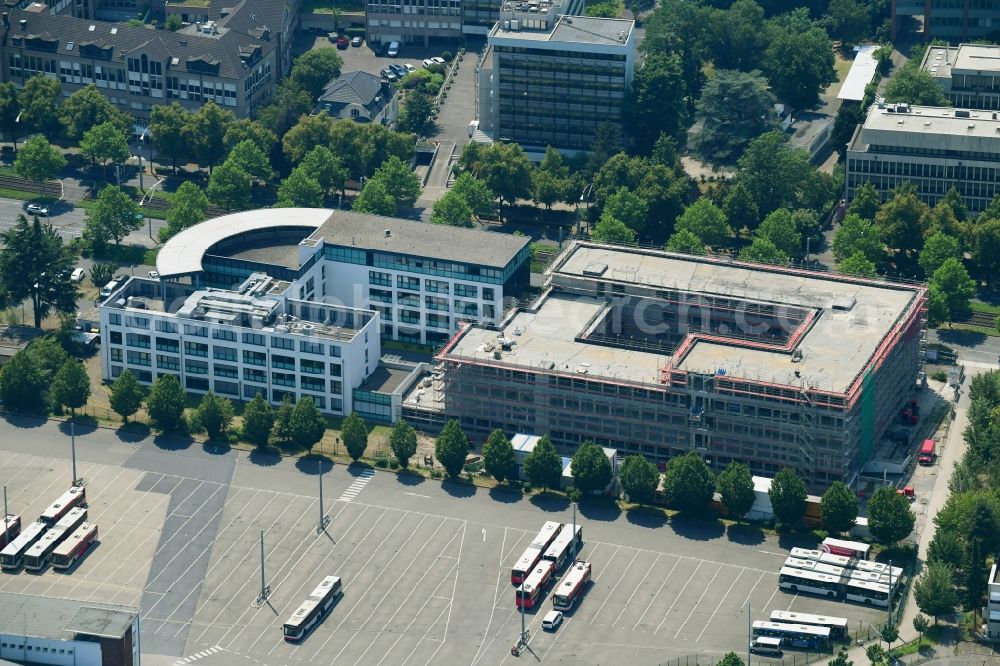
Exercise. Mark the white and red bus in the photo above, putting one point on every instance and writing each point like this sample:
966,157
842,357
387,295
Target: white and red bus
573,584
312,609
533,553
38,557
852,549
564,546
12,556
820,556
530,593
74,547
9,530
73,497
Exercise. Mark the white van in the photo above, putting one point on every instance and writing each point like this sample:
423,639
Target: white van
393,49
107,289
77,275
766,645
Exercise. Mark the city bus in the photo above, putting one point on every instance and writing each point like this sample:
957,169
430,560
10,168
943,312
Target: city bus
9,530
878,567
795,635
38,557
312,609
852,549
799,580
12,556
812,565
820,556
872,577
836,625
573,585
529,594
873,594
564,546
533,553
73,497
74,547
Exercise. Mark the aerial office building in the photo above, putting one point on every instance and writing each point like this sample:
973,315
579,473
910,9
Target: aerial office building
659,354
969,74
952,20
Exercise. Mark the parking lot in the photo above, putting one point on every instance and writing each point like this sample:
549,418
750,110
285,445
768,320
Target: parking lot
426,571
362,58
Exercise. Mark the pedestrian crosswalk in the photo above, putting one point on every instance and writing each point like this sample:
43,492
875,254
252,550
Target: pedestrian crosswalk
358,485
196,656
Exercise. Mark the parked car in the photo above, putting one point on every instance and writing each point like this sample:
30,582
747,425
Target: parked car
552,620
393,50
153,275
438,60
77,275
342,42
355,41
388,75
333,37
409,67
37,209
399,70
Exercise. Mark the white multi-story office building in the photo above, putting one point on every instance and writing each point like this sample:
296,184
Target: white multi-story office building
969,74
295,302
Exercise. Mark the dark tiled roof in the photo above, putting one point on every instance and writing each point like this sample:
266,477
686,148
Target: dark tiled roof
352,88
192,52
251,16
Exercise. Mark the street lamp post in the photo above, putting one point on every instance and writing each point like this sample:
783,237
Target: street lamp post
13,130
142,135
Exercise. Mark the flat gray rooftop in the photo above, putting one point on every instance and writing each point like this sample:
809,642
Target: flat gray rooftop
50,617
945,127
385,380
422,239
575,30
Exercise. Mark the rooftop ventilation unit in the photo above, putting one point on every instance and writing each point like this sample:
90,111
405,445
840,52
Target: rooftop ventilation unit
388,233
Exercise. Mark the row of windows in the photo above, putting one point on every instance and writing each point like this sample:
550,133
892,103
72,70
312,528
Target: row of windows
410,264
35,648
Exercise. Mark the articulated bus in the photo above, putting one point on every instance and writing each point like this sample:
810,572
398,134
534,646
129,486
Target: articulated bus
530,593
74,547
812,565
9,530
872,577
533,553
852,549
312,609
38,557
879,567
12,556
73,497
799,580
573,585
836,625
873,594
795,635
820,556
564,546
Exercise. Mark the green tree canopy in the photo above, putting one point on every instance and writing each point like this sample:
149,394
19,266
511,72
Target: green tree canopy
866,201
734,109
899,219
167,123
311,131
399,179
403,442
355,435
452,448
779,228
890,519
307,424
848,20
101,274
657,102
591,469
325,167
36,265
914,85
315,68
857,234
375,199
452,210
498,456
22,384
300,189
229,187
113,217
290,102
612,230
857,264
105,142
258,420
38,161
126,395
942,219
685,241
985,247
706,221
546,187
763,251
480,198
778,175
215,414
506,171
71,385
689,484
245,129
735,485
839,508
165,402
639,478
935,591
799,65
88,108
740,209
543,465
39,101
730,659
251,159
629,208
955,285
788,496
937,249
205,131
188,207
417,113
283,420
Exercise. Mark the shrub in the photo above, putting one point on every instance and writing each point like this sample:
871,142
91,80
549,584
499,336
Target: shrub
447,56
382,462
940,376
436,473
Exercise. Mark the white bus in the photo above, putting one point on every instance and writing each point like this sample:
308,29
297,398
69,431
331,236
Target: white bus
853,549
879,567
873,594
73,497
572,586
529,594
12,556
74,547
820,556
872,577
836,625
533,553
812,565
312,609
794,635
9,529
38,557
799,580
564,546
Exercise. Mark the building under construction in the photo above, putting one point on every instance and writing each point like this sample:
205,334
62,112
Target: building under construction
660,354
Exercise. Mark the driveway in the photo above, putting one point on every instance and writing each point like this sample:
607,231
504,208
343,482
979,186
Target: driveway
362,58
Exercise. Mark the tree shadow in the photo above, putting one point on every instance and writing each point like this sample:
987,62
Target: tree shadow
81,425
698,527
265,456
314,463
169,441
216,447
646,517
789,539
596,510
409,478
358,468
962,338
132,433
457,488
505,495
24,420
747,534
550,502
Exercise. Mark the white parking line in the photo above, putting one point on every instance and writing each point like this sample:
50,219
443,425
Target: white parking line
679,594
695,607
617,583
628,602
655,596
747,600
496,596
721,601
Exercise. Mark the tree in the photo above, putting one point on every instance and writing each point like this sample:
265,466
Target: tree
937,305
245,129
105,142
706,221
942,219
627,207
737,36
657,101
498,456
866,202
39,101
857,234
763,251
689,484
258,420
355,434
985,247
876,654
591,468
452,209
889,633
788,496
849,116
403,442
251,159
38,161
311,131
506,171
848,20
546,188
611,230
314,69
215,413
375,199
290,102
36,265
480,198
307,424
71,386
857,264
734,109
953,200
543,465
9,110
188,207
113,216
300,189
399,180
938,248
173,22
165,402
126,395
841,659
167,125
955,285
685,241
206,131
839,508
889,516
730,659
736,489
101,274
417,113
320,163
920,625
914,85
452,448
87,108
779,228
639,478
739,208
229,187
899,218
776,174
799,65
283,419
22,384
607,142
946,548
